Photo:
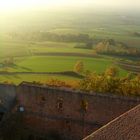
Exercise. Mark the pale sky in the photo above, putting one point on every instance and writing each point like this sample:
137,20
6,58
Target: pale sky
12,5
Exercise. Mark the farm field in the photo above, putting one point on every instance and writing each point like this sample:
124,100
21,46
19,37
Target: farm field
33,55
53,64
129,66
48,56
26,60
19,48
59,64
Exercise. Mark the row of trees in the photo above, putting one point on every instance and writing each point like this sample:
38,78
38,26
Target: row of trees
49,36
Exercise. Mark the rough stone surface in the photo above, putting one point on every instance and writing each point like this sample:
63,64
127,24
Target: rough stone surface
61,110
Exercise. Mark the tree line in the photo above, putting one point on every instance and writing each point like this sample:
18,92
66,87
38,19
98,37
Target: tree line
110,47
49,36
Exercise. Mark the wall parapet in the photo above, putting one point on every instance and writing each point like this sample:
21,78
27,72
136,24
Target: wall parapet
74,91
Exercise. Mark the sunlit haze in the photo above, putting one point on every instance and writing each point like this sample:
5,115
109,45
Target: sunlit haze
15,5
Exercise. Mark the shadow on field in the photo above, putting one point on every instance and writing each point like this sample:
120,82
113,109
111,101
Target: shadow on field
16,76
24,68
64,73
14,66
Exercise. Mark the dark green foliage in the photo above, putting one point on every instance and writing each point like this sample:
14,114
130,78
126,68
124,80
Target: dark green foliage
48,36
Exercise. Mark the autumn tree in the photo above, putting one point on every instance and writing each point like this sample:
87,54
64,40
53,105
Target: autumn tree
112,71
79,67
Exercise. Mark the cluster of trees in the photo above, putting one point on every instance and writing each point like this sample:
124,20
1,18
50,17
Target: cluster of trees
110,47
109,82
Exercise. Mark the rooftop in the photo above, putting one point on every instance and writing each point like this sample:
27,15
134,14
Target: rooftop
125,127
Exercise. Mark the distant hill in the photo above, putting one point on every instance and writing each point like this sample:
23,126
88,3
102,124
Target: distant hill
111,47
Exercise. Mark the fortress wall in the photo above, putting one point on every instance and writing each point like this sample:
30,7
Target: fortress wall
7,95
60,110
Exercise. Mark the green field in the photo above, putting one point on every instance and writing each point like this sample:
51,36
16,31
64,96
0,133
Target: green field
25,59
32,55
59,64
53,64
19,48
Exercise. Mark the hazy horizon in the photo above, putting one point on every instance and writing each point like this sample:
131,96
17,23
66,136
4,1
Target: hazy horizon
19,5
18,14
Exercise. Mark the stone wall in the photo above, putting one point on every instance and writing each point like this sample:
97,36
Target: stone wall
7,96
71,114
